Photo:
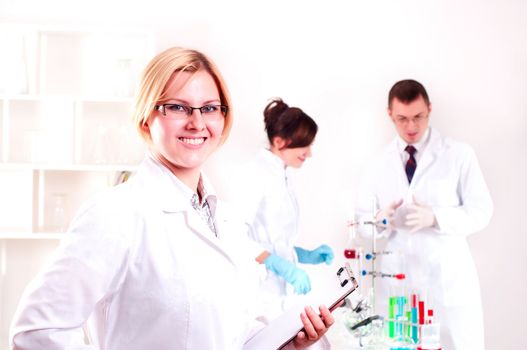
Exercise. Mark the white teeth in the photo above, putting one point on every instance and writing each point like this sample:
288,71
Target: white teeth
192,141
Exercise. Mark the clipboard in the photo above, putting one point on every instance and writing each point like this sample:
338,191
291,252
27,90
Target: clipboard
282,330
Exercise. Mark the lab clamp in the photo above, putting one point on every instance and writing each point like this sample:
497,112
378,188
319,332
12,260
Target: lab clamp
362,321
406,326
356,252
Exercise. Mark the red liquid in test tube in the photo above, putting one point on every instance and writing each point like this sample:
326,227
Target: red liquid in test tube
351,254
421,312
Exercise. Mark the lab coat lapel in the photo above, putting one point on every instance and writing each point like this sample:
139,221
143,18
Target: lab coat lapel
219,219
227,231
395,166
167,193
199,227
430,154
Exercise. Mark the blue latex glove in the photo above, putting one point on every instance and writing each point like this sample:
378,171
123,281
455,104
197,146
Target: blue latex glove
322,254
288,271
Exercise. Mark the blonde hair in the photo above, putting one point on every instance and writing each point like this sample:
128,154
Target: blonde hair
156,76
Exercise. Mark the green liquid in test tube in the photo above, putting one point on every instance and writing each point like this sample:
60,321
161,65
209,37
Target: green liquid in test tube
408,329
391,316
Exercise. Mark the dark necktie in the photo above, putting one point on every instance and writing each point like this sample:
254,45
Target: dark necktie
410,164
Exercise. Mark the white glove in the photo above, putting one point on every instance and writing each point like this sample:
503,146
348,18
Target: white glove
420,216
387,212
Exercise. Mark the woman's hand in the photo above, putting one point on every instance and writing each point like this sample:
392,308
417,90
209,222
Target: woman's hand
315,326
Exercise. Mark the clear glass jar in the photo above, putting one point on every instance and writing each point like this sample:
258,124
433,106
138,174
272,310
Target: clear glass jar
59,223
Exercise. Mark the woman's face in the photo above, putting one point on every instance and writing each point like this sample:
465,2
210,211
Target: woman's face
184,143
293,157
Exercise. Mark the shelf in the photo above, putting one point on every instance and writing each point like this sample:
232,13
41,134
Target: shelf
68,167
32,235
65,118
3,131
79,98
66,133
16,201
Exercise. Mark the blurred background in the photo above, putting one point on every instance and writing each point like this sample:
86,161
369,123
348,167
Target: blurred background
335,59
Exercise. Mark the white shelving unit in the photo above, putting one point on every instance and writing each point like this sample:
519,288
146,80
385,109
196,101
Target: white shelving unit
65,134
65,119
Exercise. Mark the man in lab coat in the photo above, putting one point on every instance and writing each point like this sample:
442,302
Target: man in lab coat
434,195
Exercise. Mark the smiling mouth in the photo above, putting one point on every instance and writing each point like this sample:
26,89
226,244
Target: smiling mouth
193,141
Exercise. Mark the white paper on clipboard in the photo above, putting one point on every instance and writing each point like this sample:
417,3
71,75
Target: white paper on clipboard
284,328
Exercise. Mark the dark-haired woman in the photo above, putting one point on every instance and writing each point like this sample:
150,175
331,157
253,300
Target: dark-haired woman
269,207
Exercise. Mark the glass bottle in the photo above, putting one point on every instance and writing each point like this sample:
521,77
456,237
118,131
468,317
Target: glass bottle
59,212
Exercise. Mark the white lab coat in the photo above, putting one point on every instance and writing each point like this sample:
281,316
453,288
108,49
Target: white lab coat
147,268
436,261
264,196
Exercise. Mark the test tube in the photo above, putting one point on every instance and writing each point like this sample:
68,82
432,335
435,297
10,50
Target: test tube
430,316
421,311
392,302
413,310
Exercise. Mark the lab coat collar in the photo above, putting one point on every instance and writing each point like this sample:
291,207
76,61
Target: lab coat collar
431,143
276,164
174,196
434,146
436,141
170,192
419,145
431,148
272,159
207,193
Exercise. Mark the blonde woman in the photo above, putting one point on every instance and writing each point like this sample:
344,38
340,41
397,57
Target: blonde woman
157,262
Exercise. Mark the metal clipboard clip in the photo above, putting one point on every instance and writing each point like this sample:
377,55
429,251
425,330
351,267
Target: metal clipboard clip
345,276
347,283
284,328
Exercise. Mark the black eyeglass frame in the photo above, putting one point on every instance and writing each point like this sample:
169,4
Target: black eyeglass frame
189,109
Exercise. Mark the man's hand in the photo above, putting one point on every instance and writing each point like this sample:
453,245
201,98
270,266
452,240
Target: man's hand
419,216
386,213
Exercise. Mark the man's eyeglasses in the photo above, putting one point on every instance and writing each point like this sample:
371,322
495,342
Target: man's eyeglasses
416,119
177,111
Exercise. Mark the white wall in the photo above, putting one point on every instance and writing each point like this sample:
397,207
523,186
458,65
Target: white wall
337,61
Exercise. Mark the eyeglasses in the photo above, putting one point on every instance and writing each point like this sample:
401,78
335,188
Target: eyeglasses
416,120
177,111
